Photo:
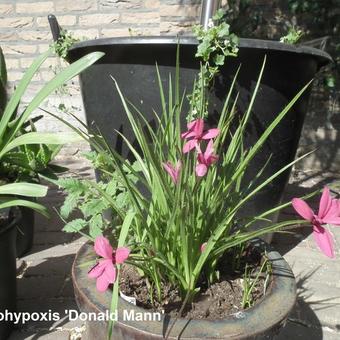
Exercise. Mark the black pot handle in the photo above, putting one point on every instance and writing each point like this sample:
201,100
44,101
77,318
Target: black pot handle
54,25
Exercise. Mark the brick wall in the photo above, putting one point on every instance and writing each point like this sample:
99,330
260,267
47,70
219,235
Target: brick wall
25,33
24,29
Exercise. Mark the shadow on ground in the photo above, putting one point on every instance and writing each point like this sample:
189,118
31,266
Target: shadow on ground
46,287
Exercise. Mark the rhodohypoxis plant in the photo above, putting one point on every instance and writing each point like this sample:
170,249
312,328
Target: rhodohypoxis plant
181,200
329,213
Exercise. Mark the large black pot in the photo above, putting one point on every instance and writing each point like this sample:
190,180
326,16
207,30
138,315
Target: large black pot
262,321
131,61
7,273
25,231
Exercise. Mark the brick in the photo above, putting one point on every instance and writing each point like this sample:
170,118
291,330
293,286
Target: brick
43,47
8,36
179,11
176,27
126,32
64,21
12,63
26,62
98,19
70,6
114,32
120,4
151,4
46,75
18,22
19,49
34,7
6,8
86,34
140,17
34,35
14,75
140,31
51,62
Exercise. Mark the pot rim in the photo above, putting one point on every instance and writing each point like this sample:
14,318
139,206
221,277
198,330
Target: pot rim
269,313
322,56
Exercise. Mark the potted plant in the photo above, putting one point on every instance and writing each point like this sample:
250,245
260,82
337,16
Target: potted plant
181,233
16,148
131,61
28,162
10,198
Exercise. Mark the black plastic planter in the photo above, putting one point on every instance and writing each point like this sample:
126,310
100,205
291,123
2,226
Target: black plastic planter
25,231
131,61
7,273
262,321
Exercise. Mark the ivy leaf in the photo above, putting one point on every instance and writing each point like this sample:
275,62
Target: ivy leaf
219,15
219,59
204,50
223,30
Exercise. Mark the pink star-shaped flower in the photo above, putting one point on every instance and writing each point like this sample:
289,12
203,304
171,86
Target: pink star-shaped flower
204,160
329,213
196,133
105,270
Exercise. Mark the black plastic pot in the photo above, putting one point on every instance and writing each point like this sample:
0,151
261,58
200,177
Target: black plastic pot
7,273
131,61
262,321
25,231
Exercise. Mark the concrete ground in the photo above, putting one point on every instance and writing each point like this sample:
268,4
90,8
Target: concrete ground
44,282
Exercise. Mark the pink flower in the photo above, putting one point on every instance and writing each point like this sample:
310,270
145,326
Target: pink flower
205,159
203,245
105,270
196,133
329,212
173,171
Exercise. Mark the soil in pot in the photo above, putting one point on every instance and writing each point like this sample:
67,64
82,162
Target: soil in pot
262,321
214,302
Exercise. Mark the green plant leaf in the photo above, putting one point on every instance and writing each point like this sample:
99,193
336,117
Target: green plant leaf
62,77
8,202
19,92
40,138
24,189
